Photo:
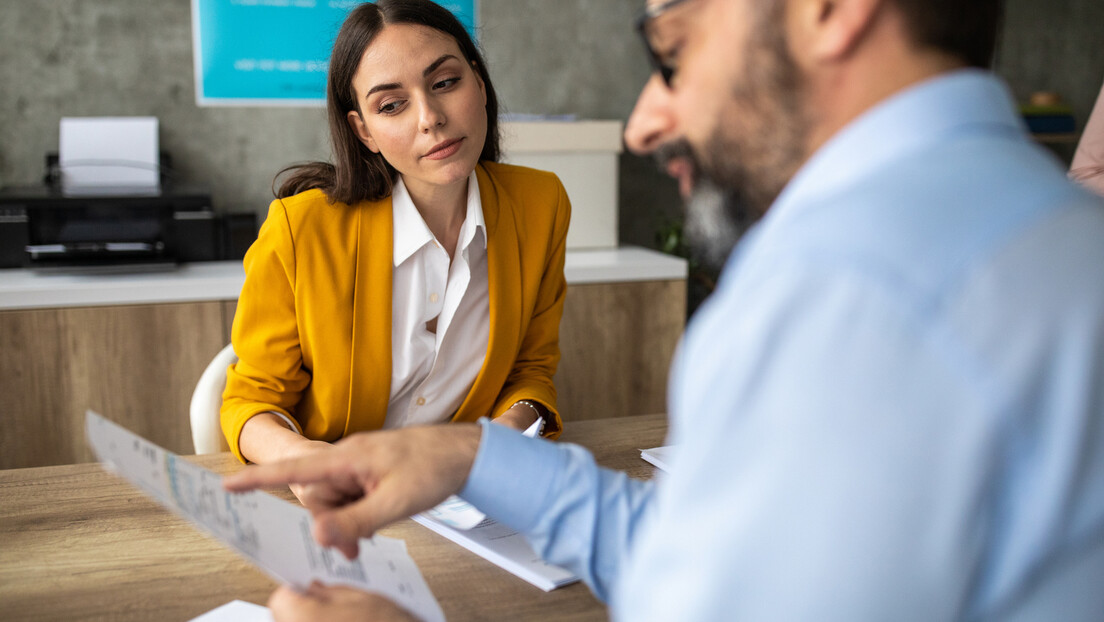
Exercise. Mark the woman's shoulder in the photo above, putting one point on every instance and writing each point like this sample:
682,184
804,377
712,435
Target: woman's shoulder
314,229
532,194
308,202
314,208
512,176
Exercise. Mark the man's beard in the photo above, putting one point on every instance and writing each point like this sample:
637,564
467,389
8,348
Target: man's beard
759,144
716,217
754,152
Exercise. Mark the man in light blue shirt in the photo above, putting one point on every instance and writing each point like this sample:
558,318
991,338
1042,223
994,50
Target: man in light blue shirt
892,408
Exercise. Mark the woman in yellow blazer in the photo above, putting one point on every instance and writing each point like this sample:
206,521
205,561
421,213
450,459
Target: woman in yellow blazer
411,109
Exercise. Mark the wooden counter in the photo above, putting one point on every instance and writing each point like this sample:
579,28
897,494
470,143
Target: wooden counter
135,345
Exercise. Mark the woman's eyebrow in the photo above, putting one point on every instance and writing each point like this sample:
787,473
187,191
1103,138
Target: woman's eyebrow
437,63
382,87
395,85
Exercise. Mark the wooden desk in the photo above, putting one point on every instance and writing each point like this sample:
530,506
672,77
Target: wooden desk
79,544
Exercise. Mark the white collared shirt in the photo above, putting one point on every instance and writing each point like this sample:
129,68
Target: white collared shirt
431,374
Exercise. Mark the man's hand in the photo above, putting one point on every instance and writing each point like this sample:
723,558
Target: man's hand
310,494
267,438
334,604
369,480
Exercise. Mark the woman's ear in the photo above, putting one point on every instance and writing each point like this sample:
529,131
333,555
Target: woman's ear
361,130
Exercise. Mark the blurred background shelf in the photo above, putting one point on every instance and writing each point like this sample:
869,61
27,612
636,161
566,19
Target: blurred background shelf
1060,138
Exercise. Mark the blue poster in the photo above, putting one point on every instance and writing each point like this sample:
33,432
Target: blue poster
272,52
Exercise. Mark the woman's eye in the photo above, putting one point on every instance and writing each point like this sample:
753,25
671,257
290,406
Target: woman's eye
444,84
389,107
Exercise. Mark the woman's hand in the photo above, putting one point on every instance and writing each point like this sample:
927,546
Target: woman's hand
266,438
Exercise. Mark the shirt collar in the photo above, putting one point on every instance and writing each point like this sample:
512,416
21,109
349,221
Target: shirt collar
412,233
473,221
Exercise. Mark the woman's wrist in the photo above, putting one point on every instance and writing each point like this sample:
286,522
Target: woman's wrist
266,437
521,415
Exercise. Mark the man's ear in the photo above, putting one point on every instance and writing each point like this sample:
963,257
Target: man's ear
361,130
827,30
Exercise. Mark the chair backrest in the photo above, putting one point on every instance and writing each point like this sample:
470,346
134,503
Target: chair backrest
207,401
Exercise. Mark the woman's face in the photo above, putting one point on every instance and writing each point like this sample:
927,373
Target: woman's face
422,106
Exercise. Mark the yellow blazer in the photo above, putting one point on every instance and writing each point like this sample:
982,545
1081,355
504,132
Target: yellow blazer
312,329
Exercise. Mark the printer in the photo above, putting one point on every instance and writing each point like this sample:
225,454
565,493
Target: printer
43,227
108,204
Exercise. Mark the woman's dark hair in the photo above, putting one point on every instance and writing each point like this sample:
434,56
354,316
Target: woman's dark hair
357,173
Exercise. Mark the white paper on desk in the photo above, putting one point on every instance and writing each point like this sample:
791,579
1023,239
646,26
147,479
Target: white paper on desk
236,611
273,534
505,548
459,514
114,152
660,457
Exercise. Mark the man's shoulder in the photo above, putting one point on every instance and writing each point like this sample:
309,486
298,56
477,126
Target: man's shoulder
952,245
926,220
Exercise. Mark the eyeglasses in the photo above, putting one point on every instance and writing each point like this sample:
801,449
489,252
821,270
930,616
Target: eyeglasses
643,27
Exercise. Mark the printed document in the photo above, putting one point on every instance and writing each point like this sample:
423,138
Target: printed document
236,611
506,548
462,523
273,534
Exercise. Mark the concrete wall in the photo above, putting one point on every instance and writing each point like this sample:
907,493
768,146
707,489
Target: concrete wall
134,57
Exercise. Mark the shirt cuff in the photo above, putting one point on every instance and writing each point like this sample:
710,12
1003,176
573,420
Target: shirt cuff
512,477
287,421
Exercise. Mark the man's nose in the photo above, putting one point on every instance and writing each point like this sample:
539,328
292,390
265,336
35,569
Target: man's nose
652,122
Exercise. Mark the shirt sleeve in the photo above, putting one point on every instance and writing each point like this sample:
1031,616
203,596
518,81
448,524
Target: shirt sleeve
1088,162
288,421
573,513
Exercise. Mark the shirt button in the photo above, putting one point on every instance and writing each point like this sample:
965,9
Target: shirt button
421,401
433,297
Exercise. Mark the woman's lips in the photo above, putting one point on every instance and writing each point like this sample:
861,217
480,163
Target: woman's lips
444,149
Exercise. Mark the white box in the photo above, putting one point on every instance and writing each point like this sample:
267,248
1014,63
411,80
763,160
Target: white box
583,154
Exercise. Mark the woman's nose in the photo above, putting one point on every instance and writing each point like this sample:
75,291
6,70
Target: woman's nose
431,116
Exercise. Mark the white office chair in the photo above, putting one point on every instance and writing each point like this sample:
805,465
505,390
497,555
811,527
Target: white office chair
207,400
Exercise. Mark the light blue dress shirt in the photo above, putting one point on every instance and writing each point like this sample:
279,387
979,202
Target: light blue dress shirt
892,408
